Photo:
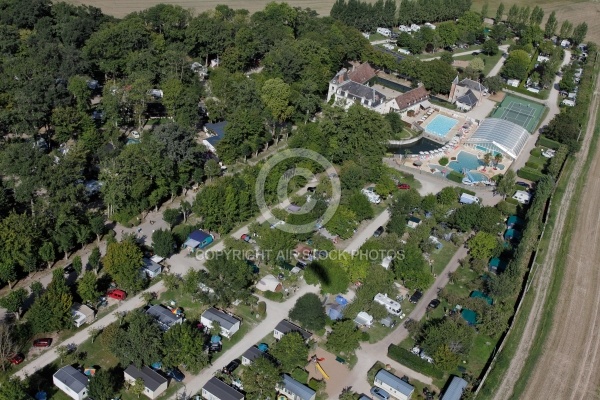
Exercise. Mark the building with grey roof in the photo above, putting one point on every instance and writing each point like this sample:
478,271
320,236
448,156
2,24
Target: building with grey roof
229,324
72,382
216,389
284,326
455,389
154,383
393,385
165,317
496,135
295,390
250,355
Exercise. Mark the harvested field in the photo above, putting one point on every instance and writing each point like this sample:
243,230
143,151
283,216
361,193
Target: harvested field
575,11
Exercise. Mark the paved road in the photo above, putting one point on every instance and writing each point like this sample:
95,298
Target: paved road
275,313
496,70
368,354
552,104
361,237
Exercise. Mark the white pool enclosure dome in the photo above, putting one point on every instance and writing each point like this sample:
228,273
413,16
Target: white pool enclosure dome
496,135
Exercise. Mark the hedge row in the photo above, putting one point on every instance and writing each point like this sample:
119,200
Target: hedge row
542,95
455,177
529,173
545,142
273,296
413,362
467,191
533,165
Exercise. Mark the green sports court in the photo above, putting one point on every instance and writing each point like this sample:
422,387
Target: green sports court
520,111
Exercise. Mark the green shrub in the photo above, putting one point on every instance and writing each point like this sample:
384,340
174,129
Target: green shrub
413,362
533,165
512,201
536,152
467,191
261,308
373,371
443,161
300,375
544,141
455,177
530,174
273,296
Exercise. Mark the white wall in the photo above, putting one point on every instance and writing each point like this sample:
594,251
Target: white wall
67,390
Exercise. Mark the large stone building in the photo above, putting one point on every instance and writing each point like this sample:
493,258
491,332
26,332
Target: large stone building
349,86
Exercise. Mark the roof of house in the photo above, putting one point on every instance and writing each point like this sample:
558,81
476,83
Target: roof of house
455,389
300,390
360,91
468,98
152,379
83,309
72,378
252,353
393,381
361,73
163,315
473,85
412,97
221,390
225,320
415,220
284,326
363,318
151,266
507,136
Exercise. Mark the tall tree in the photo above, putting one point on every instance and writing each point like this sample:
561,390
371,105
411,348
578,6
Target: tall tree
13,301
565,30
551,25
580,32
140,342
309,311
275,94
123,262
260,379
499,13
103,386
344,337
183,344
87,287
290,351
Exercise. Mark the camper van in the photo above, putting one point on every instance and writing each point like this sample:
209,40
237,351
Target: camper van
384,31
468,199
404,51
392,306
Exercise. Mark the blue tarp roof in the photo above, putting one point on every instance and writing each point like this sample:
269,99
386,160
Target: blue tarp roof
341,300
469,315
498,264
514,220
198,236
218,129
512,234
476,294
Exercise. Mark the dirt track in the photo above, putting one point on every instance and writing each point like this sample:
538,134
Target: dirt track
568,367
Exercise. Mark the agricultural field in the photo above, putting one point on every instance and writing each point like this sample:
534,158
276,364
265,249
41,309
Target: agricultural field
573,10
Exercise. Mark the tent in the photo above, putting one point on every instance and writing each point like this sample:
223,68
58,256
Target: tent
476,294
469,315
334,311
341,300
497,265
215,339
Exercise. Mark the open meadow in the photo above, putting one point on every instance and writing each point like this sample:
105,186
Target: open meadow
573,10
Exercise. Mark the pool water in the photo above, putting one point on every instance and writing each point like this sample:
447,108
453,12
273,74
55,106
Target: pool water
477,177
465,160
440,125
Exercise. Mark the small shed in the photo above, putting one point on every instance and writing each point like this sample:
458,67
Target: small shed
393,385
250,355
198,239
284,326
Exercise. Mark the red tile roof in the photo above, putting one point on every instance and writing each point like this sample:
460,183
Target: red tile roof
361,73
411,97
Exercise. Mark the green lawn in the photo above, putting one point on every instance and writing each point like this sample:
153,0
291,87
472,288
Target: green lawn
377,332
490,61
376,36
443,256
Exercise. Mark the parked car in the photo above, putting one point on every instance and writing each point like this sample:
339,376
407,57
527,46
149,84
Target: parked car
301,264
175,374
416,297
232,366
245,237
403,186
311,189
433,304
117,294
135,134
213,347
17,359
378,232
524,184
379,393
42,342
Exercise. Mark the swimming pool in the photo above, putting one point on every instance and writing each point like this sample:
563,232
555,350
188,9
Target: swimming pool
477,177
440,125
465,160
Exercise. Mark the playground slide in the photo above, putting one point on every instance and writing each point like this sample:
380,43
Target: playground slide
322,371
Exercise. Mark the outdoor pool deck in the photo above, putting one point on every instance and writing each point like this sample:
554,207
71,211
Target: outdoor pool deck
438,125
